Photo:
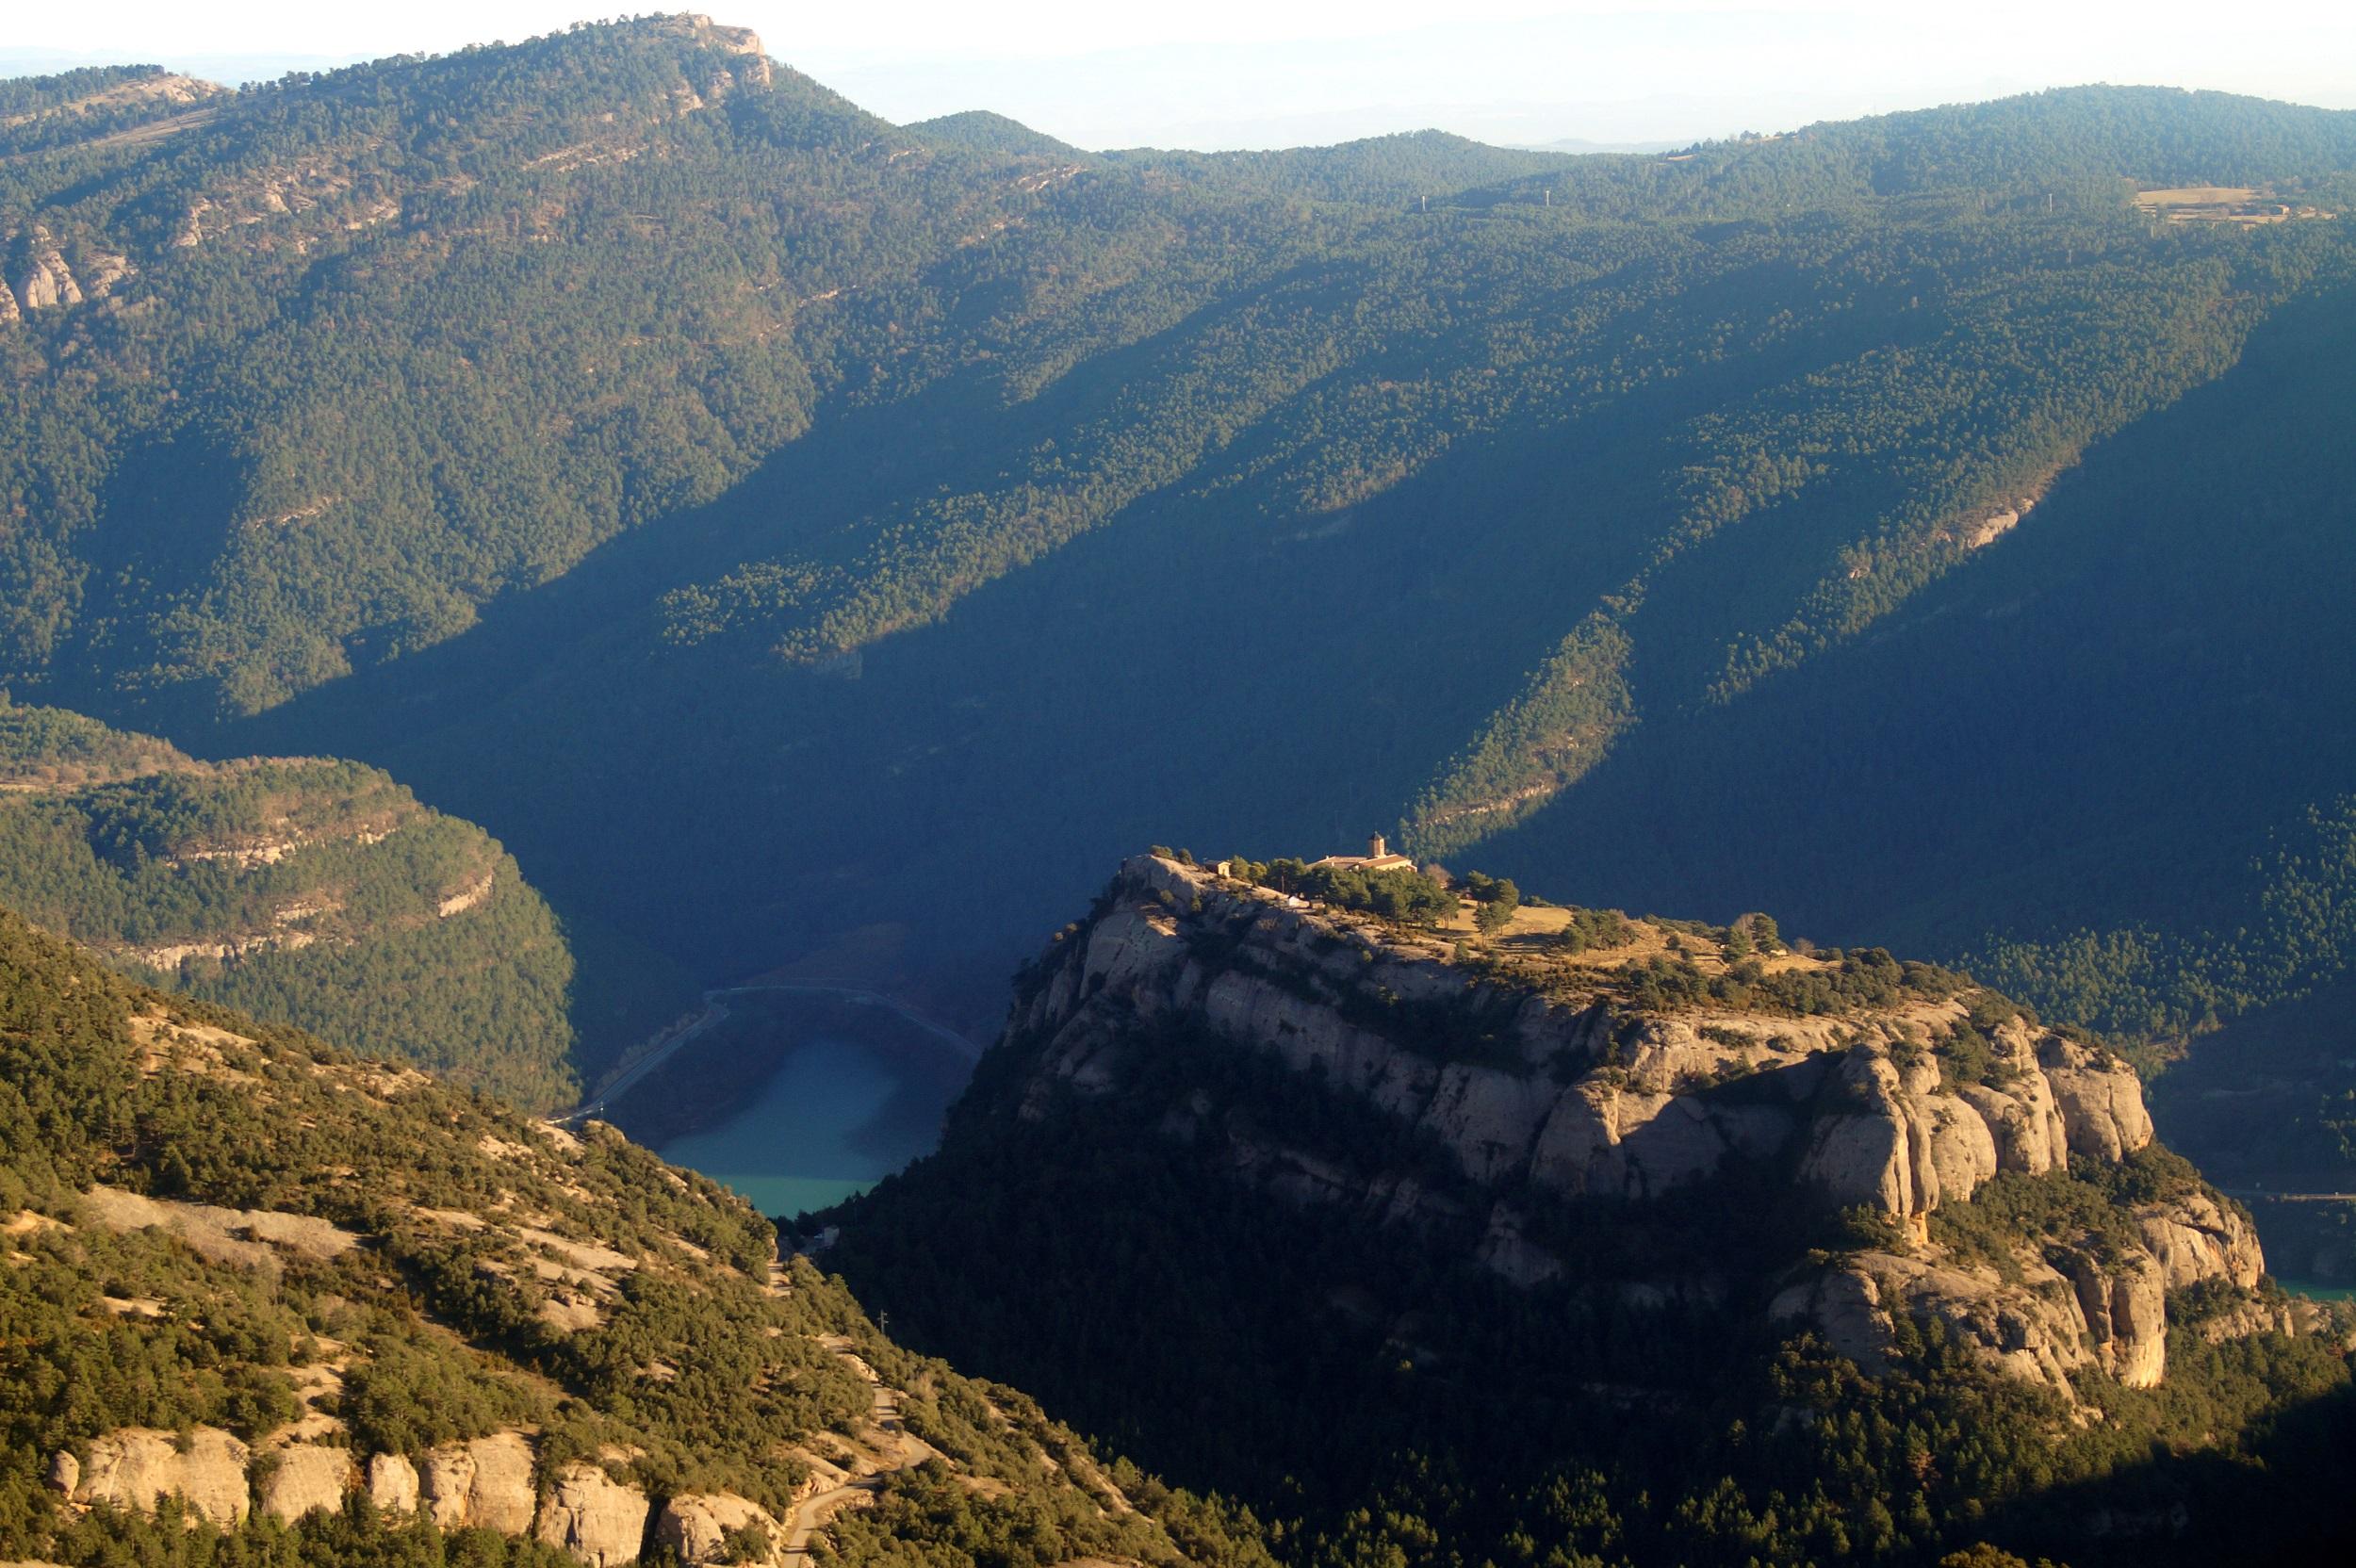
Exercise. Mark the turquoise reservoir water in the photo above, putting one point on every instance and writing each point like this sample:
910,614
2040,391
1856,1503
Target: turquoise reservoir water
816,1135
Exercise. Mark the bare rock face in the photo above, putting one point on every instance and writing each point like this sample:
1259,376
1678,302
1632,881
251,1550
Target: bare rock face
1610,1139
393,1484
8,310
484,1485
594,1517
1859,1154
64,1473
2101,1104
2126,1315
44,281
696,1528
2023,1121
106,270
1570,1090
2086,1304
308,1477
1897,1142
1584,1100
2197,1238
134,1469
2034,1329
1844,1306
733,40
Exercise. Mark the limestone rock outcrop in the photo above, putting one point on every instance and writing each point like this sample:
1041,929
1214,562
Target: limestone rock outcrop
2101,1104
485,1484
2031,1330
1895,1142
134,1469
2197,1238
306,1477
696,1528
594,1517
42,278
1577,1098
2021,1120
1545,1080
2126,1314
393,1484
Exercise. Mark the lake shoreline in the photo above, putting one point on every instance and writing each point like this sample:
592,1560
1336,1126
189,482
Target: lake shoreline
798,1100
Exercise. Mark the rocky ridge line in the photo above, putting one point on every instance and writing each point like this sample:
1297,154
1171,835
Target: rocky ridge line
1582,1095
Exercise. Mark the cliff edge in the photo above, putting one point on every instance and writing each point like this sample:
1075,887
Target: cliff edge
1970,1165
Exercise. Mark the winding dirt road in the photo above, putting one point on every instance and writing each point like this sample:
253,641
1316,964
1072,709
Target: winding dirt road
903,1450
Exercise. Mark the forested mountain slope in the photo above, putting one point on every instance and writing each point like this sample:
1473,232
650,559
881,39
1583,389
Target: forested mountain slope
314,892
627,442
263,1301
2096,766
1566,1237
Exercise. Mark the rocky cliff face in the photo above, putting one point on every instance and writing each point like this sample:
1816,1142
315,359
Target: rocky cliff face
696,1530
597,1519
35,275
305,1478
485,1484
135,1470
1550,1076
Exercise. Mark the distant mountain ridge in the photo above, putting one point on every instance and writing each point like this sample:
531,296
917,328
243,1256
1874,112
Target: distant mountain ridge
1581,145
983,130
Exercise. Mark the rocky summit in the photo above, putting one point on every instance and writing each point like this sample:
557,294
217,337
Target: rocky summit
1669,1060
1511,1220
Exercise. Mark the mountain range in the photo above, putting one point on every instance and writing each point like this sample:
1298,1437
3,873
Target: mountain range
533,419
496,545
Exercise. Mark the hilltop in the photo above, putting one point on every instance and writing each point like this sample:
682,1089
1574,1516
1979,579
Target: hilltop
981,129
311,892
1474,1188
262,1297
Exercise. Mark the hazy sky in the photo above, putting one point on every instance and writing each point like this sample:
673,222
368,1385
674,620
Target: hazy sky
1261,72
